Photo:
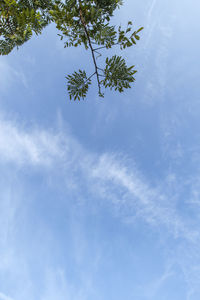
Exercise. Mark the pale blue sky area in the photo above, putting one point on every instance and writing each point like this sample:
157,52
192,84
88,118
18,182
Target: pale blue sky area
100,199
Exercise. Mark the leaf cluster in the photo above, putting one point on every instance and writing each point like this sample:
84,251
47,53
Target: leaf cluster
117,74
78,85
96,16
19,19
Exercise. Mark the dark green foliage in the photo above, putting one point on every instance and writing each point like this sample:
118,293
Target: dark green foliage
80,22
117,74
78,84
19,19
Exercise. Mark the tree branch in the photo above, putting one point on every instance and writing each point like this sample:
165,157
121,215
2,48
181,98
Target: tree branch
90,45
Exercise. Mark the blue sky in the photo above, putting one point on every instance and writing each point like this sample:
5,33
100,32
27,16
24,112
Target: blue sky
100,199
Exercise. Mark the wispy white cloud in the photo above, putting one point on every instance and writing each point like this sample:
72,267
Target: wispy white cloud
34,147
8,75
153,3
150,291
107,176
156,205
107,173
4,297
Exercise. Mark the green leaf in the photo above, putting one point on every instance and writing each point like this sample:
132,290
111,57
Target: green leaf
140,29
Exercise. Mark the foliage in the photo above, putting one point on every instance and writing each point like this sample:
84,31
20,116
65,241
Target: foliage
80,22
78,84
19,19
117,74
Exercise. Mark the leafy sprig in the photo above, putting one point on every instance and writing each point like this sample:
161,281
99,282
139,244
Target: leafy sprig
117,74
80,22
78,85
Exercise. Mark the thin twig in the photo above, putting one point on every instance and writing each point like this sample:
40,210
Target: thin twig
100,69
103,47
98,55
99,48
89,77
